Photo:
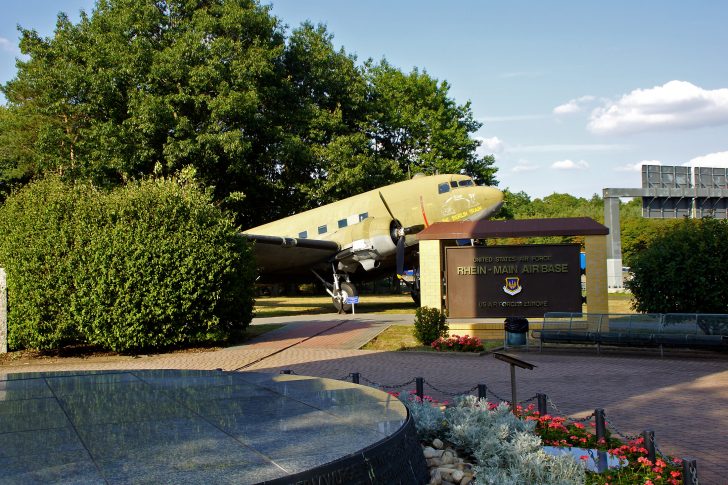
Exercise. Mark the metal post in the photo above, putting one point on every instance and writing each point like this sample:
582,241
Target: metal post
355,377
3,312
514,399
542,407
600,422
649,436
690,472
482,391
420,387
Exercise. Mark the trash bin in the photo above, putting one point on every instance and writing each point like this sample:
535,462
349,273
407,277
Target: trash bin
516,329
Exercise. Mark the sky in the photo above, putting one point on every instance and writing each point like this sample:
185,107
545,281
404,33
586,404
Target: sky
574,96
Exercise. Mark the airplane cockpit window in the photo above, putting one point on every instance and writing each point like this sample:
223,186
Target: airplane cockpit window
322,229
303,234
363,216
443,187
342,223
454,184
466,183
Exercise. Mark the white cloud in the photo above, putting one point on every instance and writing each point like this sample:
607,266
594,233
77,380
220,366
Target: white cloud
578,147
676,104
573,106
636,167
7,45
717,159
507,118
570,165
490,145
524,167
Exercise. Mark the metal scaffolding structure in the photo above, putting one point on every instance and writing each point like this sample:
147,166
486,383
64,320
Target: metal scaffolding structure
667,192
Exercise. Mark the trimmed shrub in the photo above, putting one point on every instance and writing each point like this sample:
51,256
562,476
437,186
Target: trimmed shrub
430,324
150,265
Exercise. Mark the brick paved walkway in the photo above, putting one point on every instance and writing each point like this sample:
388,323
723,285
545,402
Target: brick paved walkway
684,399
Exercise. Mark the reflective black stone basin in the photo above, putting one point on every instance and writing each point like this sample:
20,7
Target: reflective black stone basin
186,426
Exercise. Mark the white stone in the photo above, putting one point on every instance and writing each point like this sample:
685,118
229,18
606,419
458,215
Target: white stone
448,457
457,476
431,452
436,443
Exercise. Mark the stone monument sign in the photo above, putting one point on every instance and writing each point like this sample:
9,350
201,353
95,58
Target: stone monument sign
513,281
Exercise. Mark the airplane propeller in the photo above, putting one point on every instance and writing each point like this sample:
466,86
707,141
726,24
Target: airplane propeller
400,232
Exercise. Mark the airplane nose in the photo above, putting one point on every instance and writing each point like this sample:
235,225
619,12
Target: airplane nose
490,198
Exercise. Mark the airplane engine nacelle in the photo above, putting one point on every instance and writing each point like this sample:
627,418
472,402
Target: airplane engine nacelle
373,241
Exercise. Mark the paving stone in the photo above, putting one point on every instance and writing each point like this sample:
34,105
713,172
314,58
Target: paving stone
682,397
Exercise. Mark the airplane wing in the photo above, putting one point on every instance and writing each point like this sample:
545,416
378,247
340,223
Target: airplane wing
285,255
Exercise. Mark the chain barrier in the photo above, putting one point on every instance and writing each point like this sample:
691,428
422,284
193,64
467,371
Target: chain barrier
288,371
385,386
693,471
451,394
344,378
613,427
570,418
530,399
580,420
490,392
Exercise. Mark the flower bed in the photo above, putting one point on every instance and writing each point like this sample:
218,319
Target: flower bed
457,343
509,449
637,468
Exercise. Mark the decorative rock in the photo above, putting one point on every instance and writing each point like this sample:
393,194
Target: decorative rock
446,467
448,457
432,453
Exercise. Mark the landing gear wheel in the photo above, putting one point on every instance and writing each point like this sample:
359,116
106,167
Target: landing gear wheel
347,290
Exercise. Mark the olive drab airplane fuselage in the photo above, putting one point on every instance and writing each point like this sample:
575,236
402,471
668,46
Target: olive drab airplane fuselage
366,233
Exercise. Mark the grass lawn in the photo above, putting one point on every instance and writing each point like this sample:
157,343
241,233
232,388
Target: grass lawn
282,306
313,305
399,337
620,303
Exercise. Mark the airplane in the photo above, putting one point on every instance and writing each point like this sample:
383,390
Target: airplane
363,236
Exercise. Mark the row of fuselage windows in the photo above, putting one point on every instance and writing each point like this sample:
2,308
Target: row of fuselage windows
445,187
342,223
441,189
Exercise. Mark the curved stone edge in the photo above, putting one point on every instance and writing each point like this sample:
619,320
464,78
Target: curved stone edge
397,459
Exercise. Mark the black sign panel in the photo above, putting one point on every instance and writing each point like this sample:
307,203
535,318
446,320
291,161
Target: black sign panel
513,281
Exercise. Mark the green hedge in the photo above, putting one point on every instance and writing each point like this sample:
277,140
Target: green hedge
683,270
150,265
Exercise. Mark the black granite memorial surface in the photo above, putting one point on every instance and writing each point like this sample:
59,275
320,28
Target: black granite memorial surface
184,426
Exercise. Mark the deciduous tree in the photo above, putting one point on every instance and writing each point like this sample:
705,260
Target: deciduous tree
268,121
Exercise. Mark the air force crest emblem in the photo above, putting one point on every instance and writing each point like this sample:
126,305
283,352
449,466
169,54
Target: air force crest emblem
513,285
